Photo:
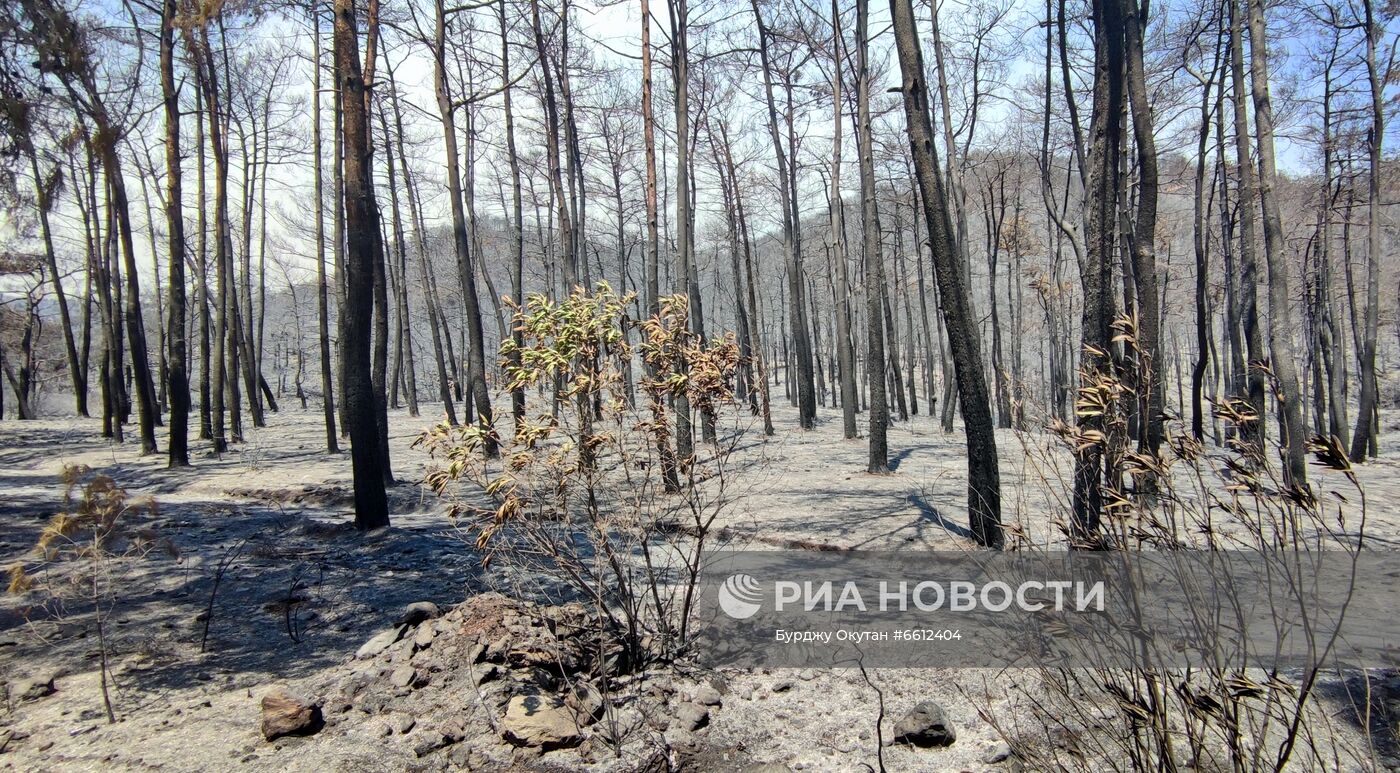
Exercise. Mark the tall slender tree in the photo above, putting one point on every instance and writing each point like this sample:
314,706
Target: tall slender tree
1365,439
178,385
1283,356
371,505
323,333
845,354
792,248
1151,364
1094,463
983,471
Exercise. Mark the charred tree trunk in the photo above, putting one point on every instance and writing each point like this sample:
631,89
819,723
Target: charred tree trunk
680,76
802,374
323,333
1284,358
1151,364
371,506
1093,464
845,354
178,385
665,455
879,419
1366,438
1248,282
517,223
984,484
477,394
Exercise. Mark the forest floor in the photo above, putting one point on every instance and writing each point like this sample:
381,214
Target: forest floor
265,582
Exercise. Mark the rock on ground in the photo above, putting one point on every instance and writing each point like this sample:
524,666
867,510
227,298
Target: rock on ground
925,726
287,713
542,721
380,642
418,612
692,716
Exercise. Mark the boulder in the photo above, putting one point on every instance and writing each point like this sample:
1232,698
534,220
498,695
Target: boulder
925,726
287,713
542,721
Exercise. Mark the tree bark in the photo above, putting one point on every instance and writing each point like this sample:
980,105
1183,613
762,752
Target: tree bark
1284,357
323,333
1150,378
1366,437
1200,240
984,484
1253,431
178,385
517,222
371,506
665,455
476,356
797,316
680,76
1093,462
845,355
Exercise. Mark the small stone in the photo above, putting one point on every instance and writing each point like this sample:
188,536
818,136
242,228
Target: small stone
376,730
486,674
620,726
999,753
925,726
36,688
692,716
339,707
287,713
417,612
496,650
807,675
705,695
380,642
678,737
782,686
585,699
453,731
402,723
427,743
423,637
654,715
404,676
541,721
